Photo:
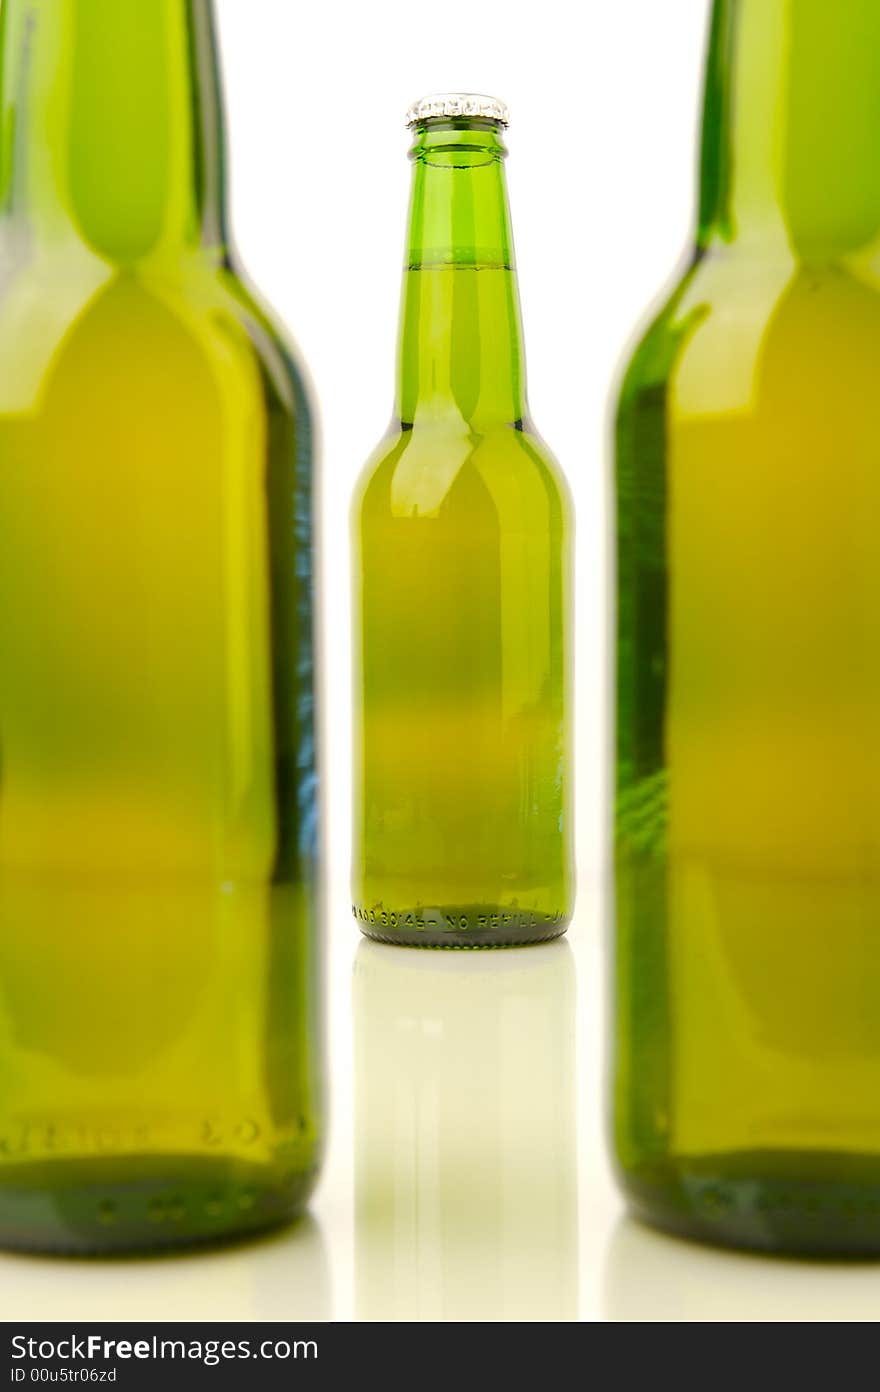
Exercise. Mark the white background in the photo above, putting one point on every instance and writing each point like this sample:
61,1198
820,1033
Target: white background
604,97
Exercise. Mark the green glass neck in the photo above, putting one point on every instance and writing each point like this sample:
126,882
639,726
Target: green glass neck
792,125
461,350
111,126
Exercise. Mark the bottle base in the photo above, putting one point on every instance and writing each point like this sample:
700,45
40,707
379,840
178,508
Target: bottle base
789,1203
105,1206
461,928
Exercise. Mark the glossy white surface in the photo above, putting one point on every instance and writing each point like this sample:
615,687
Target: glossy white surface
467,1176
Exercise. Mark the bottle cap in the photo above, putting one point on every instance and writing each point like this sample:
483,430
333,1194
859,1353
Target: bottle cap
448,104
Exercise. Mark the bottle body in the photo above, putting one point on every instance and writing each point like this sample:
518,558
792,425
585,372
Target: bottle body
461,732
462,535
159,889
746,846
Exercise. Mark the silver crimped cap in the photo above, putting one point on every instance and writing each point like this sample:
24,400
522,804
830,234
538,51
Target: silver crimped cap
458,104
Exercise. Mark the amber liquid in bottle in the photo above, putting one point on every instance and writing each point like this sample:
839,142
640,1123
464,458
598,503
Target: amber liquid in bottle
748,833
159,1076
462,533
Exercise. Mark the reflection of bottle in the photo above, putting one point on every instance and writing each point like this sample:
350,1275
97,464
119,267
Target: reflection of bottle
158,893
466,1205
461,551
650,1278
284,1276
748,819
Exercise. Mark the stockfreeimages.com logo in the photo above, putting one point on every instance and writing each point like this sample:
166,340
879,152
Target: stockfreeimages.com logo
94,1348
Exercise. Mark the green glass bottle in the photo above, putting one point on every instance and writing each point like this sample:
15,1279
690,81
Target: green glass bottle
159,896
462,533
748,758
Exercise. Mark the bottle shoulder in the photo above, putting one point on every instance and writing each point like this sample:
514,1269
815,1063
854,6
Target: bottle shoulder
269,339
70,306
742,334
445,465
729,312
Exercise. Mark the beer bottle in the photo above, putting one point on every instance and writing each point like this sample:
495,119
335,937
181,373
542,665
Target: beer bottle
462,532
159,898
748,743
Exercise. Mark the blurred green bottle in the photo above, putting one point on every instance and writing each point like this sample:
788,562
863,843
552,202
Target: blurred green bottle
159,896
462,535
748,758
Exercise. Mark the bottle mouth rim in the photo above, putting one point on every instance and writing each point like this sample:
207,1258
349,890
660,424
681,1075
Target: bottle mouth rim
446,106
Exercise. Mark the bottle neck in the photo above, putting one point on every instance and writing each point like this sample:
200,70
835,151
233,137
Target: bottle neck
461,350
111,125
792,121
